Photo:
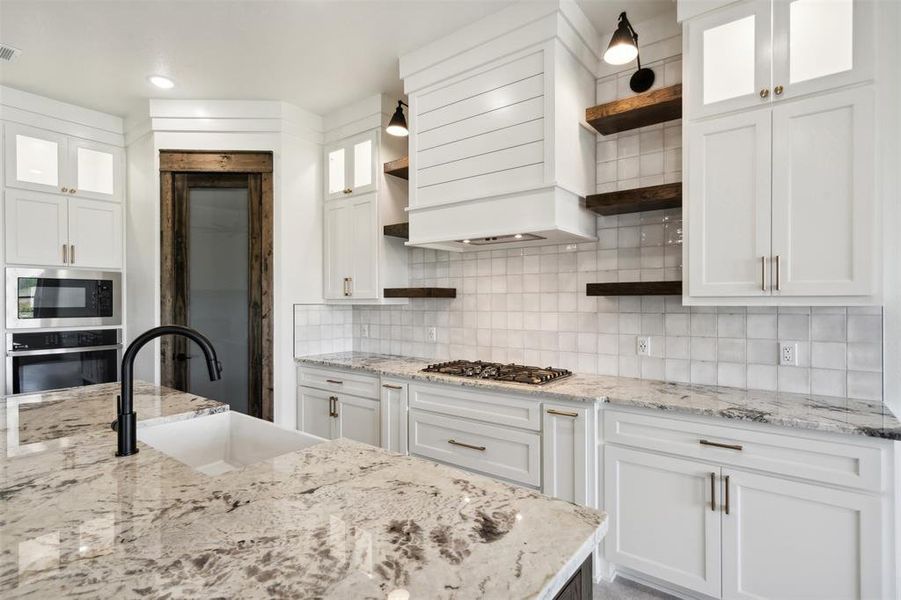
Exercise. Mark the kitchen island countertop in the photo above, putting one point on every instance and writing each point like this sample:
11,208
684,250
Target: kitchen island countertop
337,520
802,411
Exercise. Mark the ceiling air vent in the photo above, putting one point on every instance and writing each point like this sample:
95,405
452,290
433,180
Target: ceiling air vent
8,53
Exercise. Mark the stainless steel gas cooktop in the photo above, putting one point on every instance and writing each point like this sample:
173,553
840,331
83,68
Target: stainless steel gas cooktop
498,371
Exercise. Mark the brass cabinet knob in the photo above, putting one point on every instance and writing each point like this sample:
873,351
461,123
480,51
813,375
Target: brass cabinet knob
778,90
348,190
71,190
64,190
764,93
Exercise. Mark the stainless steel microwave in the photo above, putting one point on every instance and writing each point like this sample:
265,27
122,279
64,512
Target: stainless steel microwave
62,298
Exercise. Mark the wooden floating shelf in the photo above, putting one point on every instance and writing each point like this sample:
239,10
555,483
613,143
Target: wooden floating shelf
655,197
398,168
638,111
398,230
422,292
636,288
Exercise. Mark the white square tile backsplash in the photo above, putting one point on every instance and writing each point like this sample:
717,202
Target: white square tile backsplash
529,305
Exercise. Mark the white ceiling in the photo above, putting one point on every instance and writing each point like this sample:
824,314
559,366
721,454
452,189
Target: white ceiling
317,54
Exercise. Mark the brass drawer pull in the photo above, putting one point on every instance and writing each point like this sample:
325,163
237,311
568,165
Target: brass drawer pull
392,387
720,445
778,273
333,406
456,443
335,381
713,491
563,413
726,505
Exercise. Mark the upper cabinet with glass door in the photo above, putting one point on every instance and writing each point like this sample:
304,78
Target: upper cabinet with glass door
46,161
351,166
755,52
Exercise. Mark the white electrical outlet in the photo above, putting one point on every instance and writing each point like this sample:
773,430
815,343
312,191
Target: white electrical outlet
433,334
788,354
643,346
364,330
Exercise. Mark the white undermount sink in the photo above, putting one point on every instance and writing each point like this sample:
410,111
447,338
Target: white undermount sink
222,442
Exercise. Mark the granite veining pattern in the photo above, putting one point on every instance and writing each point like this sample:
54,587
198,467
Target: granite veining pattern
336,520
819,413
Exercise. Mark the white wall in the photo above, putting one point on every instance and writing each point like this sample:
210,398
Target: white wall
294,137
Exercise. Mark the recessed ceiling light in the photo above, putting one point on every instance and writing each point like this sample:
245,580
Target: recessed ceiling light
161,82
465,241
518,236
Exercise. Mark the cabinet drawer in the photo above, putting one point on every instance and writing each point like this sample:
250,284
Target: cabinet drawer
855,463
498,451
338,380
478,405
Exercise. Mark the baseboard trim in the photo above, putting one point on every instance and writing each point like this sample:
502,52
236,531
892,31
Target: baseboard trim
654,583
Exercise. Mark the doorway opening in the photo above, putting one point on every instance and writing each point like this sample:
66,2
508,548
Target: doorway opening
216,273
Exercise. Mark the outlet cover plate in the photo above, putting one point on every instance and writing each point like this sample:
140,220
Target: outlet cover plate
433,334
788,354
643,345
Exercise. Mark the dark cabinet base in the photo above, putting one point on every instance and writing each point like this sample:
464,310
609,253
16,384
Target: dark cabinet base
579,586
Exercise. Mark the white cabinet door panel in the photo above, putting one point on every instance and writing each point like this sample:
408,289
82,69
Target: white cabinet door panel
36,228
95,170
336,259
821,44
394,415
95,234
665,517
566,446
358,419
728,198
35,159
729,59
363,246
314,412
783,539
824,216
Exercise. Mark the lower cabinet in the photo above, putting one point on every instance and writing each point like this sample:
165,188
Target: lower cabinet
393,408
567,449
332,415
734,534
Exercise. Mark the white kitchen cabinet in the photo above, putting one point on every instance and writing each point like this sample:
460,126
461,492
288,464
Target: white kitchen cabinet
351,251
566,447
728,205
824,225
46,161
759,52
36,228
315,412
52,230
357,419
393,408
665,517
95,234
727,54
331,415
351,166
784,539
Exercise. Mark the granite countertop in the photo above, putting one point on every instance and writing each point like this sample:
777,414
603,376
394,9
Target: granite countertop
820,413
337,520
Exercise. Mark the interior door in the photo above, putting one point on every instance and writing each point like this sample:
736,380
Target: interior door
364,253
35,159
728,204
783,539
358,419
314,412
728,53
95,169
36,228
821,44
824,214
95,234
665,517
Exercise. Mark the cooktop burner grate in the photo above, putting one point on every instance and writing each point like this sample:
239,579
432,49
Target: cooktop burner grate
498,371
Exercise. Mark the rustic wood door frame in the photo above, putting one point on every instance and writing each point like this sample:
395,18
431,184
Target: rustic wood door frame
179,171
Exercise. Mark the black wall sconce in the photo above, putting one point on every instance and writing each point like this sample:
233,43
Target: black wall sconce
623,48
397,126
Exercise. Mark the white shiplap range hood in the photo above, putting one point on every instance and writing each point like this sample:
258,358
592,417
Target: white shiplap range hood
498,146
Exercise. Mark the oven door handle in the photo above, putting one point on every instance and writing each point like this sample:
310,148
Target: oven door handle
14,353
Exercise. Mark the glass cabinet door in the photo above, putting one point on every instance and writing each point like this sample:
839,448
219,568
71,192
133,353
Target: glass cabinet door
94,169
364,163
335,159
729,59
35,159
350,166
821,44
